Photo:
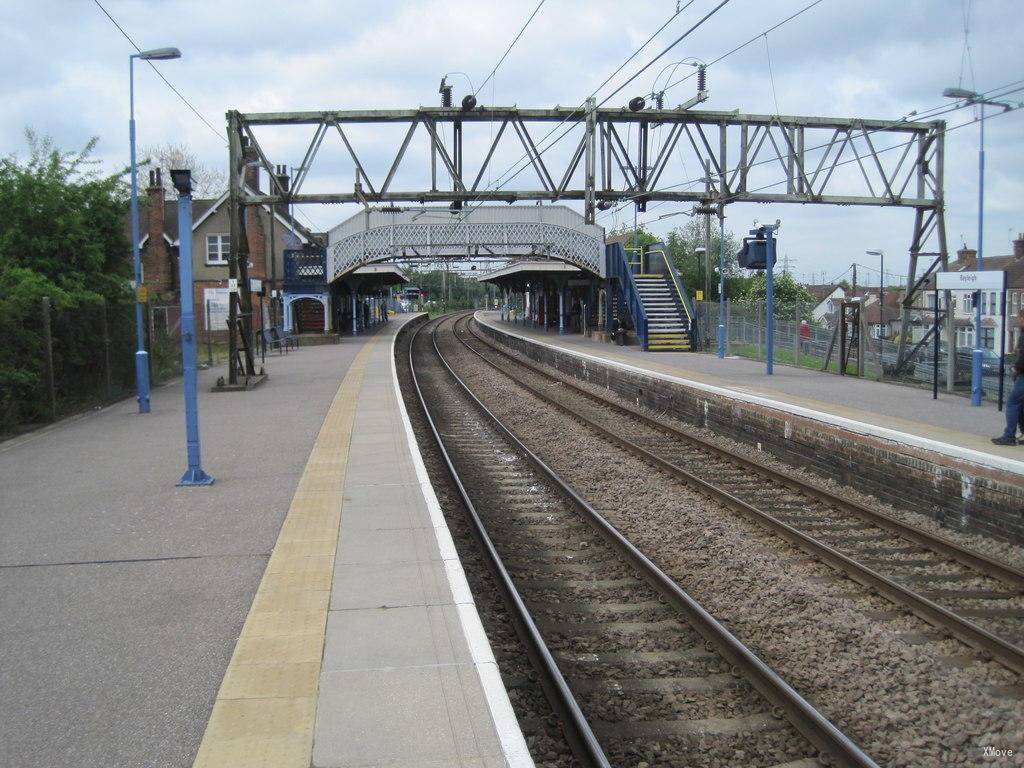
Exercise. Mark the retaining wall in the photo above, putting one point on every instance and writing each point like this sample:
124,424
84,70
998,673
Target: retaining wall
958,493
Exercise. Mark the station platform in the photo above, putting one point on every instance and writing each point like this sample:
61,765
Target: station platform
307,608
908,414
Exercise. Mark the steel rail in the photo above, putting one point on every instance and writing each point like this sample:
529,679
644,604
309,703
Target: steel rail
1009,655
814,726
933,541
582,740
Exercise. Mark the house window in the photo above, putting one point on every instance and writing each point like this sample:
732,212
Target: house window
968,302
988,338
217,249
993,305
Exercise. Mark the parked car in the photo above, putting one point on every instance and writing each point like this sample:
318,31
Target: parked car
989,360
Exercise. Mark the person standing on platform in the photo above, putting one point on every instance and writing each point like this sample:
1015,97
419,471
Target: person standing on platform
1015,402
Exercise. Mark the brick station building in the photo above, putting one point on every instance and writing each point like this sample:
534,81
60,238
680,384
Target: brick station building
211,242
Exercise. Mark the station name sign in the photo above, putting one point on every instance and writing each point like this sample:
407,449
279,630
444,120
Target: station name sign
993,280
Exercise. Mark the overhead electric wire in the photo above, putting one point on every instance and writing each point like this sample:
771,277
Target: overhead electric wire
992,93
643,69
159,73
582,106
741,46
734,197
738,48
510,46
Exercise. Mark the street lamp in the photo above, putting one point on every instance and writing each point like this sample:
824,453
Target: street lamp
972,97
141,356
881,305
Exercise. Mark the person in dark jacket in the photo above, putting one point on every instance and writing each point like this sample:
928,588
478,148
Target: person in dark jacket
1015,402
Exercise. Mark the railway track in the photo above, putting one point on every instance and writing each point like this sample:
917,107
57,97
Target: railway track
965,594
637,670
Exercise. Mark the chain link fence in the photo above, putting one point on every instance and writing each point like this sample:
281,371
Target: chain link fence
59,361
808,346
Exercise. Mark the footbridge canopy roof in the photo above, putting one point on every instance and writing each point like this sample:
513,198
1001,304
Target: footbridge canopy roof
487,231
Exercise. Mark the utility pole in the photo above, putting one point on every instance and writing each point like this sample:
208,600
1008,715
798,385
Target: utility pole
854,291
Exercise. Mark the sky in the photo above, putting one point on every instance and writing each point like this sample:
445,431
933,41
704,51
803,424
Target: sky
64,74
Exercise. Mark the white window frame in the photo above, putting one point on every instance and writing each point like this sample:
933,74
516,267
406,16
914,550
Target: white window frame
222,239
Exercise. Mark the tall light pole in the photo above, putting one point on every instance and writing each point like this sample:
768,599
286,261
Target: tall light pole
972,97
141,356
881,305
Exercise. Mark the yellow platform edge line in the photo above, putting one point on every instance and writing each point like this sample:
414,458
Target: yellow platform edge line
265,711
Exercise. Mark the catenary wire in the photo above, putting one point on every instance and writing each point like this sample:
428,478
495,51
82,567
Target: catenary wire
510,46
159,73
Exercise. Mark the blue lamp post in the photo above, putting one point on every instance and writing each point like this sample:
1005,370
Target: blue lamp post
971,97
194,475
141,356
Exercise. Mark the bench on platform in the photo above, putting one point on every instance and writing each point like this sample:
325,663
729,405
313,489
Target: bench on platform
276,337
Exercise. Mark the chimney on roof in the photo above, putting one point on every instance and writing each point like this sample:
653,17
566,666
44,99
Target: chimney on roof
155,193
1018,247
967,257
284,181
156,259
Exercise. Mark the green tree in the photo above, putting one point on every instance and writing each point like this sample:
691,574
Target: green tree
789,294
62,235
451,291
682,243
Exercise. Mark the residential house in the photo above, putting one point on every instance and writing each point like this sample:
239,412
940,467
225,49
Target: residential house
883,322
211,244
991,308
828,297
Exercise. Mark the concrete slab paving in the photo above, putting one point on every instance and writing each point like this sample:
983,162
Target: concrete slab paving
405,660
122,595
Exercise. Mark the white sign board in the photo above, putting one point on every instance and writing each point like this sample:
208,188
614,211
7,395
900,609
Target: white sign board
971,281
255,285
217,300
233,284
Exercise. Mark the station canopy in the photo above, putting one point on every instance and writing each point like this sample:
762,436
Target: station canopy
486,233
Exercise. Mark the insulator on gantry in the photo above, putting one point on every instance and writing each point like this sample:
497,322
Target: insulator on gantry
702,78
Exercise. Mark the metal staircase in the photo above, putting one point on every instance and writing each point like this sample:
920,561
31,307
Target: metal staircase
668,322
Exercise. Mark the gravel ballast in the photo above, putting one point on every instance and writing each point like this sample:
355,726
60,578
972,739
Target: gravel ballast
909,697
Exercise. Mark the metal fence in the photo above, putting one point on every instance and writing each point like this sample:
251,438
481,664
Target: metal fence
59,361
746,336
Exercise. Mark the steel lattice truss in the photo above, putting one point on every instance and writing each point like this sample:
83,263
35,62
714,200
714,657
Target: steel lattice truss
607,156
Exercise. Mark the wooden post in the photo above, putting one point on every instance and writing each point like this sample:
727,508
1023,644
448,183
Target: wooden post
760,333
48,358
209,337
106,350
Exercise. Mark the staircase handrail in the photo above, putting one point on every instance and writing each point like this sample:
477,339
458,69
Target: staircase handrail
621,269
684,297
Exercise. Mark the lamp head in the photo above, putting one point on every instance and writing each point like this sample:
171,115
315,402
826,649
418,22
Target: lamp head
181,178
874,253
158,54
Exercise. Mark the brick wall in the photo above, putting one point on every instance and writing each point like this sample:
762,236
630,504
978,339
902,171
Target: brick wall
958,494
158,266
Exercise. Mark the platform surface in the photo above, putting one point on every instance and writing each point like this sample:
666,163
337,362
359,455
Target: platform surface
949,423
124,596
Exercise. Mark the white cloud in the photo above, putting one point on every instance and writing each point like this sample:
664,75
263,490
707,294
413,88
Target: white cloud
63,68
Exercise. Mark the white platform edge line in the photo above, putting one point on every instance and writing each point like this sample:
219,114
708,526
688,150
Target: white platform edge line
513,743
969,455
